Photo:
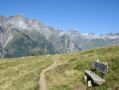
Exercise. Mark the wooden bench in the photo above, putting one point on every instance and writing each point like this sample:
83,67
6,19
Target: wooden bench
92,77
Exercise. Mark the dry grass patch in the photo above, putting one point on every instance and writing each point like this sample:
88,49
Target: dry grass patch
22,73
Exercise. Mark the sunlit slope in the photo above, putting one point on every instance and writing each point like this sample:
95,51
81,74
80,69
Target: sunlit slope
22,73
70,75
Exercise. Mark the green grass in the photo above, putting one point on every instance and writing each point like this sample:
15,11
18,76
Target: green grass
70,75
22,73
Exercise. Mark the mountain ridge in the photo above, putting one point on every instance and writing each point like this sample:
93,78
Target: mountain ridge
46,39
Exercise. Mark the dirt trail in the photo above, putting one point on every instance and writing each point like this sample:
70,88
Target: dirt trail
42,81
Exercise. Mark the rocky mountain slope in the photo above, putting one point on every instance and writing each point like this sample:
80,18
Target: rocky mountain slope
20,36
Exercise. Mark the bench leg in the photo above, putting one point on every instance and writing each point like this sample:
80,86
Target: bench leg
101,75
89,83
94,71
85,77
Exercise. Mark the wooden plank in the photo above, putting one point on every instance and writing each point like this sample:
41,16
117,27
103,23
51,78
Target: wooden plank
98,80
101,67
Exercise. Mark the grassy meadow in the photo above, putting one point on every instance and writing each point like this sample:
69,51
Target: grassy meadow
22,73
70,74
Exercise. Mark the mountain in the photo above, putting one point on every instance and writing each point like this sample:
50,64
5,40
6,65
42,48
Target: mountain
18,39
20,36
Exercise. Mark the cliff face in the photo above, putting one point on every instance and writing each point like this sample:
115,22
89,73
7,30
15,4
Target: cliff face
5,34
20,36
63,44
5,37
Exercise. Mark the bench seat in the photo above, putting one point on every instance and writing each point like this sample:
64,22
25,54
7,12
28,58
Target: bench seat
98,80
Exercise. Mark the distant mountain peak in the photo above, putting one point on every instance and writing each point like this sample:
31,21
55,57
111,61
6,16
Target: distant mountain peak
2,17
19,14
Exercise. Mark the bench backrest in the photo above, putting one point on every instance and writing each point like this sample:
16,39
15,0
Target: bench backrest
101,67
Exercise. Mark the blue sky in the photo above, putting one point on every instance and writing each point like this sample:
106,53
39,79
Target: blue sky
86,16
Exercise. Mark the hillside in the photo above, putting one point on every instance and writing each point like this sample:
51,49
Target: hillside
70,74
24,73
21,36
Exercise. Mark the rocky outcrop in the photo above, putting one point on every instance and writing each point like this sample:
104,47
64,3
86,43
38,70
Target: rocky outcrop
5,37
64,44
